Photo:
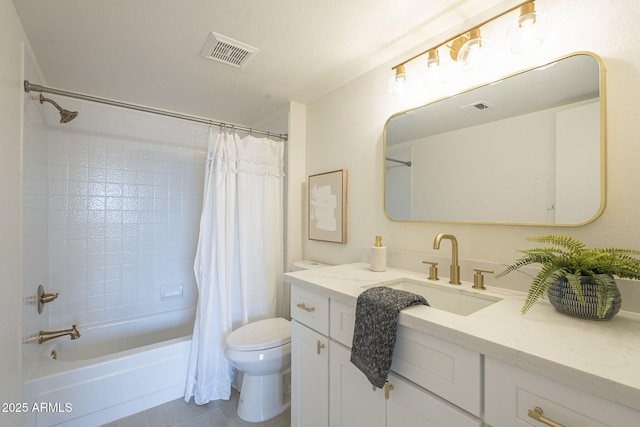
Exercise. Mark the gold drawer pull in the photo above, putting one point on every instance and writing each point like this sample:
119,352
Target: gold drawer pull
320,346
536,414
305,308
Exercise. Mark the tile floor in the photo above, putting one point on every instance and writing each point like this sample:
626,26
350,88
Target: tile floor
178,413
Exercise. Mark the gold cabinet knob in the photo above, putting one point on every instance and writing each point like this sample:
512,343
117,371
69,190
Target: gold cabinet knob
387,388
320,346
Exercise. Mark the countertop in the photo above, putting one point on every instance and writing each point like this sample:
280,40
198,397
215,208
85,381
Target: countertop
598,357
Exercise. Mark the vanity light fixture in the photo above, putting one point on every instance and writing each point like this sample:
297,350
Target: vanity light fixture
471,50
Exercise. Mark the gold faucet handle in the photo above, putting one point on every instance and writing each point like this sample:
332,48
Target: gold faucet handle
433,270
478,278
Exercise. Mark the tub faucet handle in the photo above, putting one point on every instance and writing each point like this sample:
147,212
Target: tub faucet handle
43,298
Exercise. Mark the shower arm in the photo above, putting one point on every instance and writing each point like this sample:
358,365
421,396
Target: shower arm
29,87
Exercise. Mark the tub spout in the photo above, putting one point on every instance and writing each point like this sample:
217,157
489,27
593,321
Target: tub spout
46,336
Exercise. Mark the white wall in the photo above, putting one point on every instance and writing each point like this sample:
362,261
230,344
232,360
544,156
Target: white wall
12,37
572,184
345,131
35,217
461,170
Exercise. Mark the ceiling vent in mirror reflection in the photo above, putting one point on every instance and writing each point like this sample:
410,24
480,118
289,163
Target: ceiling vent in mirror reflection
476,107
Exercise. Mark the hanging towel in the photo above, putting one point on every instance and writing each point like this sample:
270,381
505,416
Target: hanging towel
374,336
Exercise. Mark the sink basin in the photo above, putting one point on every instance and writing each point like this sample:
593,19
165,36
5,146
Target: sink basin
456,301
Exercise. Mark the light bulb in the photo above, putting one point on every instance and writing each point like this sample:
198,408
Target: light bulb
433,74
474,54
399,82
529,31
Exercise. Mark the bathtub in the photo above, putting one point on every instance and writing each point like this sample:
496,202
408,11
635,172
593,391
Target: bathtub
112,371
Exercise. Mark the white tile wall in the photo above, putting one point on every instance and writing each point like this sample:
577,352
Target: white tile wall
124,210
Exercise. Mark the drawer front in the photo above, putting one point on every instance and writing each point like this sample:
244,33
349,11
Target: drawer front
448,370
310,309
343,319
511,392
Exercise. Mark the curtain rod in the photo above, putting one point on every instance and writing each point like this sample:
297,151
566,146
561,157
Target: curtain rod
398,161
28,87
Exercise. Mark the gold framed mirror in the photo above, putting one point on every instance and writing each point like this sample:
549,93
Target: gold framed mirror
528,148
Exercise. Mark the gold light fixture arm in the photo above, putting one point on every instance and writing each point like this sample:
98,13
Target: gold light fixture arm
529,5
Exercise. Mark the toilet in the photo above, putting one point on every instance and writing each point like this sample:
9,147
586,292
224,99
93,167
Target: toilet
261,350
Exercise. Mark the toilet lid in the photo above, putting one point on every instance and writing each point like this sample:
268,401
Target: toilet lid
260,335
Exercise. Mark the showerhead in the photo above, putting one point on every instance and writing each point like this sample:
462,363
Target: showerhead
65,115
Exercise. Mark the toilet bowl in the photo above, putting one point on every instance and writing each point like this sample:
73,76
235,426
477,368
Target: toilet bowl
262,351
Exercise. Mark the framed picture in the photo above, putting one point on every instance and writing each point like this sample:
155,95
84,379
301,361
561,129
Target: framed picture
328,206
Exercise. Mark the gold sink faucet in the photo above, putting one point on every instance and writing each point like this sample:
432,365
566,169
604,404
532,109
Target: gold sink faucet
46,336
455,268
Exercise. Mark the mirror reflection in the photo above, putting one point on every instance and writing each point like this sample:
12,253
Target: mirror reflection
527,149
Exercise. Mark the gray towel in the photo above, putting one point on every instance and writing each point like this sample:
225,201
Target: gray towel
374,335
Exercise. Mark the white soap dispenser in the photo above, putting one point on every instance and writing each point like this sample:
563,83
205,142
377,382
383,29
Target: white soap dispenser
378,256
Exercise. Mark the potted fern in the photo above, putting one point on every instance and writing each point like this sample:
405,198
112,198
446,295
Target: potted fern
579,280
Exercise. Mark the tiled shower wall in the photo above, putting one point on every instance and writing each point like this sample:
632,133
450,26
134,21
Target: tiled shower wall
125,195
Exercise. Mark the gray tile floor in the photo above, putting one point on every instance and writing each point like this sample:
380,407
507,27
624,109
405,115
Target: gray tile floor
178,413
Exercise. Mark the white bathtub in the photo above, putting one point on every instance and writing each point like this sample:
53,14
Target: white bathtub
112,371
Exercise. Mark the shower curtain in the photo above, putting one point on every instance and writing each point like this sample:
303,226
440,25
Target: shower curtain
238,264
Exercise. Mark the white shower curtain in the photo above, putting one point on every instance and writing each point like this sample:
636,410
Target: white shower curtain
238,263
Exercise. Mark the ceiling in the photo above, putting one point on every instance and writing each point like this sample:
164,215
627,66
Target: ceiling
148,51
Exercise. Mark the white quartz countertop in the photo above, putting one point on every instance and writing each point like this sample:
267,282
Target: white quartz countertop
598,357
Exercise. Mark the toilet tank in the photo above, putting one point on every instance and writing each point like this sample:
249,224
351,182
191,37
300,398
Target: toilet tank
307,265
304,264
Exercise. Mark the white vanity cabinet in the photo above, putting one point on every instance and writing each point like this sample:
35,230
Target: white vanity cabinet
512,394
309,359
448,370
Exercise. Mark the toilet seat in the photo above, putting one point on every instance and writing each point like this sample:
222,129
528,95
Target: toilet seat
260,335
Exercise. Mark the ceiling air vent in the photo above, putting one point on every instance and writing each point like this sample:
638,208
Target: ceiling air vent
228,51
475,107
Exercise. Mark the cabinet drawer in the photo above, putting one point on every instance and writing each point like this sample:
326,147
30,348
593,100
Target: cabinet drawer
310,309
343,320
510,393
448,370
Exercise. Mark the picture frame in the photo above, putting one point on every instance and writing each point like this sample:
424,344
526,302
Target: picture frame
327,206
